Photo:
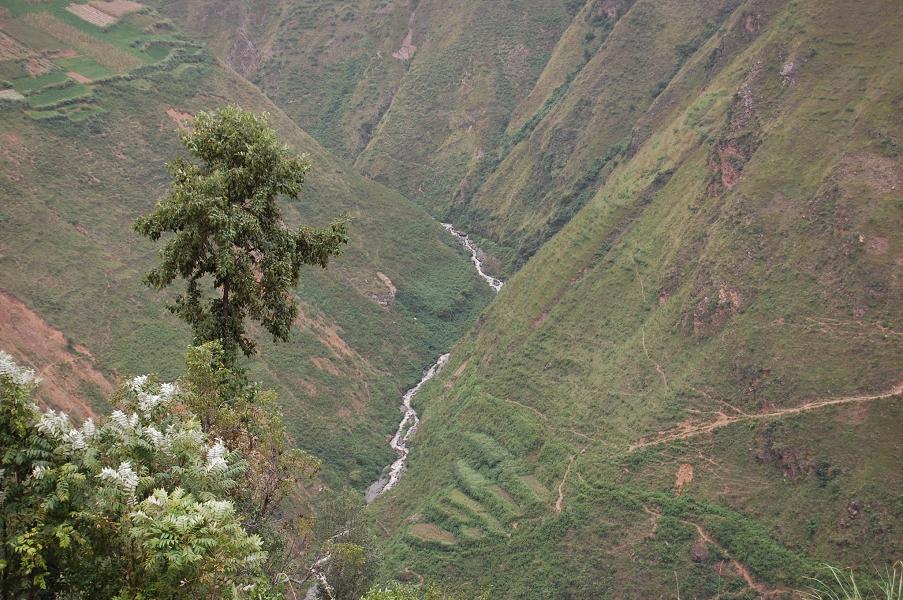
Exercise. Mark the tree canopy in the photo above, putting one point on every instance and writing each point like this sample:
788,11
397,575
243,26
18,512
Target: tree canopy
223,213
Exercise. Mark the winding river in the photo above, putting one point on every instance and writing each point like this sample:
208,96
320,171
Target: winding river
410,420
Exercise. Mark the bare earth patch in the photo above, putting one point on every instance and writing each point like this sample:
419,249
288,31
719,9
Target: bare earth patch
407,50
388,283
78,77
880,173
36,66
69,371
181,119
683,476
10,49
11,94
324,364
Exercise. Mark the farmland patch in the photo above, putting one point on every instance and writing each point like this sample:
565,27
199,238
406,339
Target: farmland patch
104,53
432,533
91,15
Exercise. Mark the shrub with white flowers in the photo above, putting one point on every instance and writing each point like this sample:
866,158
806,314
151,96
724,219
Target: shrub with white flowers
138,505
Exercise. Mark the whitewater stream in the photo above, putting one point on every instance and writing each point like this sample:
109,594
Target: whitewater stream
410,420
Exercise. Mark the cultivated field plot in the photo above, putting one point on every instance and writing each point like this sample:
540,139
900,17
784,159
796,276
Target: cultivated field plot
105,53
92,15
11,95
117,8
53,53
10,49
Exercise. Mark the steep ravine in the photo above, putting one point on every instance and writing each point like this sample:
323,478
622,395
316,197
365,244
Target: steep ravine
410,420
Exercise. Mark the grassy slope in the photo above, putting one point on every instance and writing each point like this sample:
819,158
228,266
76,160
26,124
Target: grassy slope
421,123
328,65
71,190
580,118
474,62
744,259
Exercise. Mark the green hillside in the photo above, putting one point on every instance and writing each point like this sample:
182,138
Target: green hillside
691,383
77,170
415,92
697,381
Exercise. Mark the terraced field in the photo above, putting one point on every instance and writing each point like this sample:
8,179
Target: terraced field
56,56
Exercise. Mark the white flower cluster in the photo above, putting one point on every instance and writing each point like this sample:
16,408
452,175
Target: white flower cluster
147,400
56,425
216,457
123,423
123,477
19,375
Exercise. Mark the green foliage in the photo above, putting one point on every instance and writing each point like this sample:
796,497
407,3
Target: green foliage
139,505
353,556
222,211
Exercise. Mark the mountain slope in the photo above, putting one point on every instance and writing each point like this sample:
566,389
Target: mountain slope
415,92
700,373
76,173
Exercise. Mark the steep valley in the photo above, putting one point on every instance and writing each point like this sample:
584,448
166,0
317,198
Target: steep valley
403,292
689,384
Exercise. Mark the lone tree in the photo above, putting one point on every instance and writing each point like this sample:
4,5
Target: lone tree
222,209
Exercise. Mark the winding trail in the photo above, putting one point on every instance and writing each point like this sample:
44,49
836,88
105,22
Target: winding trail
559,504
688,430
409,420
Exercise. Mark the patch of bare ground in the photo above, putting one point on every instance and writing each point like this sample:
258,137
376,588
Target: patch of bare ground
10,49
11,94
36,66
458,372
92,15
324,364
384,299
181,119
683,477
68,370
407,49
689,429
882,174
77,77
116,8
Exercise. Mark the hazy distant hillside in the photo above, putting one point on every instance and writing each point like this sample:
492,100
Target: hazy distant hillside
81,160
